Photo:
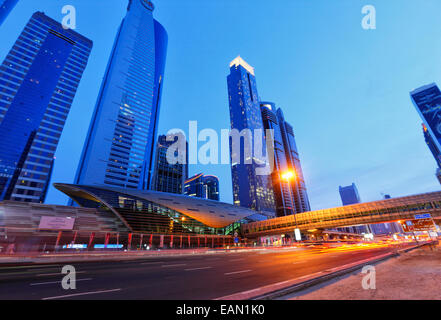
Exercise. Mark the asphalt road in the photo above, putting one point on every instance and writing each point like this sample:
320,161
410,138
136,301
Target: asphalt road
199,277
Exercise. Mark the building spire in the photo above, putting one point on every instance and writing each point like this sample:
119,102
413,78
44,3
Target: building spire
241,62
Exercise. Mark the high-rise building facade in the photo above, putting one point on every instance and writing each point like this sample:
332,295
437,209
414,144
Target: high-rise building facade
6,7
211,187
282,191
290,195
427,101
170,177
298,186
120,146
38,81
200,186
349,194
250,188
433,147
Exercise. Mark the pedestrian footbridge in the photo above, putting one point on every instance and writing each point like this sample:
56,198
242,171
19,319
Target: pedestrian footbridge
395,209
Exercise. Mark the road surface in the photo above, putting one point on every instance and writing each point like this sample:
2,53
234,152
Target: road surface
198,277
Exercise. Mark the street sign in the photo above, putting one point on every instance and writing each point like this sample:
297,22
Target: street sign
423,216
418,225
298,235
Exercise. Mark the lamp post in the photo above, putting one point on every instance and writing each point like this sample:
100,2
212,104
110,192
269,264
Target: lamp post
288,176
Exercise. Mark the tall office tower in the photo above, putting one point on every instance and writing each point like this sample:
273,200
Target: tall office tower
170,177
6,7
435,151
427,101
290,195
200,186
438,174
211,187
349,195
432,146
120,145
298,185
38,81
251,189
283,193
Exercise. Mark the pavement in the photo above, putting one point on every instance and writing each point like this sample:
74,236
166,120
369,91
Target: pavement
414,275
185,277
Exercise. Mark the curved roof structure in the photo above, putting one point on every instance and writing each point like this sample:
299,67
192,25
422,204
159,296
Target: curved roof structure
211,213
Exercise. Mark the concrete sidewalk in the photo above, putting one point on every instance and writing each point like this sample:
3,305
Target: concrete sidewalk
414,275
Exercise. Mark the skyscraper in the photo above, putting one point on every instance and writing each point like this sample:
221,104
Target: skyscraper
200,186
298,186
427,101
349,194
6,7
432,146
250,189
290,195
169,177
39,79
211,187
120,145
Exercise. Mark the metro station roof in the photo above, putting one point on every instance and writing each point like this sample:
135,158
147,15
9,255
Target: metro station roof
211,213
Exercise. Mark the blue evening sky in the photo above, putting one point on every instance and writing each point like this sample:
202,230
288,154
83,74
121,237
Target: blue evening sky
345,90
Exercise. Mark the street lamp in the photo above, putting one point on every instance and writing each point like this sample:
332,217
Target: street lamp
288,176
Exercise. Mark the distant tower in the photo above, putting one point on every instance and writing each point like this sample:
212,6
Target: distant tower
349,195
169,177
250,189
39,76
120,145
6,7
211,187
200,186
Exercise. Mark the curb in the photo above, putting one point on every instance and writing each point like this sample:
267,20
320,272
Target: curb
343,270
280,289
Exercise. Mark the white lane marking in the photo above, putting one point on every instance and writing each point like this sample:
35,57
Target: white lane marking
174,265
202,268
53,282
43,270
80,294
232,260
236,272
55,274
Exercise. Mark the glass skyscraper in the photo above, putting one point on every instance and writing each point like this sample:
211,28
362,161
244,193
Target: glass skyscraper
38,82
298,186
290,196
120,145
200,186
169,177
427,101
349,194
250,189
432,146
211,187
6,7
